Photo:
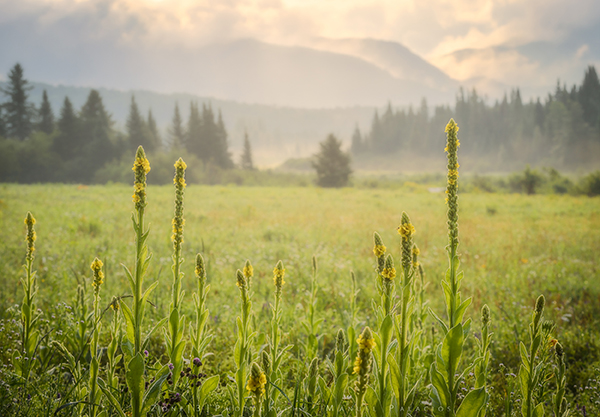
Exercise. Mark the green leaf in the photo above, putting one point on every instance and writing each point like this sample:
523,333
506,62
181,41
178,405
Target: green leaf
524,380
385,332
135,381
524,356
154,389
472,403
452,349
207,388
438,319
111,399
460,311
440,388
538,411
395,375
340,387
151,332
129,323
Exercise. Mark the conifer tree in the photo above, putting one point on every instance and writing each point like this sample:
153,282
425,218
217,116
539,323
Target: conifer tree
176,132
221,147
246,162
357,142
138,132
17,111
194,133
46,116
589,97
332,164
96,133
153,129
67,143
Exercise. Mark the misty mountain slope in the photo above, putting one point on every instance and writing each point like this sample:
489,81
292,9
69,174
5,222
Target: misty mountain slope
252,71
393,57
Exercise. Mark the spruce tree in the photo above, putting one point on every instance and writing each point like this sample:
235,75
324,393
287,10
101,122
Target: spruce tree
46,116
221,147
138,133
67,143
332,164
357,142
96,133
589,97
195,134
246,162
176,132
154,133
17,111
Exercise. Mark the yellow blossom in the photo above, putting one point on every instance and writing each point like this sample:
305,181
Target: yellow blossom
406,230
379,250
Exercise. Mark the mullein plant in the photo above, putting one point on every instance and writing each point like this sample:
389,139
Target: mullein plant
276,352
334,394
200,340
385,322
352,346
481,369
142,396
443,373
111,351
23,360
242,350
98,275
256,387
310,387
401,366
310,324
362,368
176,325
532,372
559,402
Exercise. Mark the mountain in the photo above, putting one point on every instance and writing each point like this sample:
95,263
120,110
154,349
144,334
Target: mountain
392,57
249,71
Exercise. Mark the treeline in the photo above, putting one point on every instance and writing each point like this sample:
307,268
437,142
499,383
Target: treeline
84,146
563,130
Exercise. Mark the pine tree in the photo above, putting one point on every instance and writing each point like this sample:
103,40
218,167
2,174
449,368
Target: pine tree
589,97
194,134
67,143
138,132
357,142
246,162
17,111
223,156
332,165
96,133
176,132
154,133
46,116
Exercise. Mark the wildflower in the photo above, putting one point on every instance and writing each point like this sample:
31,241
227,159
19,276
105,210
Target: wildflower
141,167
265,359
278,273
389,272
379,251
406,230
31,236
114,304
485,315
256,381
96,267
362,366
171,367
197,362
452,187
240,280
539,310
340,341
248,270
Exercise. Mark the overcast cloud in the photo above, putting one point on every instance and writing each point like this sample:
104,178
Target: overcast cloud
510,41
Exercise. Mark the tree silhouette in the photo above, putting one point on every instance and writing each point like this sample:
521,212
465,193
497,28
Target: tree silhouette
332,164
17,111
246,162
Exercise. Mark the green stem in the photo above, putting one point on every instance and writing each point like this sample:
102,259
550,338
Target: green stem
137,296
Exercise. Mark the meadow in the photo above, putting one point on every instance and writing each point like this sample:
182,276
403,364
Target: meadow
513,248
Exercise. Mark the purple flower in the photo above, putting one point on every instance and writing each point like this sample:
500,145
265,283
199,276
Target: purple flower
171,366
197,362
146,353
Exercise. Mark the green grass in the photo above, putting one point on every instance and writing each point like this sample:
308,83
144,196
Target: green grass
513,248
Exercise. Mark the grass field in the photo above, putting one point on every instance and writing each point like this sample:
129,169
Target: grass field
513,248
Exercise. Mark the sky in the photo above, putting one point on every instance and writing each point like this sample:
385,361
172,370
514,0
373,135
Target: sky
513,42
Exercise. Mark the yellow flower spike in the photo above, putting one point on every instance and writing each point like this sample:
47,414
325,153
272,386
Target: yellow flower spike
278,273
248,270
96,268
389,272
256,381
31,235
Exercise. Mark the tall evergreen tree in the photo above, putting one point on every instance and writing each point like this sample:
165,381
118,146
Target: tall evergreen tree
96,133
155,134
221,146
357,142
2,126
246,161
589,97
138,133
177,132
46,116
17,111
194,134
332,164
67,143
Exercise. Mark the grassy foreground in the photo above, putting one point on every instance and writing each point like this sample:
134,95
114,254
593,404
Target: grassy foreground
513,248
